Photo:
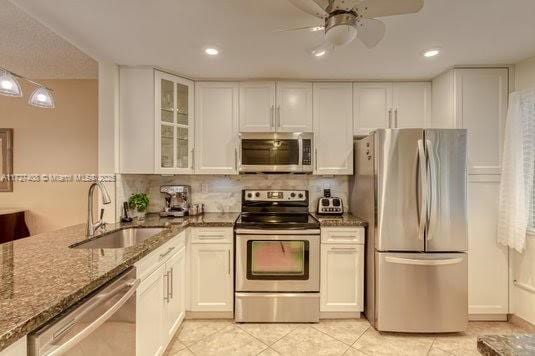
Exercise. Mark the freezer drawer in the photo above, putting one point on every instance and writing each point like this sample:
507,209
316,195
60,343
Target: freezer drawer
422,292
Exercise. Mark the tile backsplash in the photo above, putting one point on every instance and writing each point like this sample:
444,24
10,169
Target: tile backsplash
223,193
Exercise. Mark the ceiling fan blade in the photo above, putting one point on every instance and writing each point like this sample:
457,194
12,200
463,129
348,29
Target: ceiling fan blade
370,32
380,8
309,28
312,7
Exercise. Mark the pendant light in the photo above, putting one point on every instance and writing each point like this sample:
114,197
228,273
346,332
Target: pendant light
43,98
9,85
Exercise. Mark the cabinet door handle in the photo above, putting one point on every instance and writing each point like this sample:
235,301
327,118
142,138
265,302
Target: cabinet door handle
271,118
166,292
389,118
316,158
396,118
236,159
228,252
192,158
278,116
171,286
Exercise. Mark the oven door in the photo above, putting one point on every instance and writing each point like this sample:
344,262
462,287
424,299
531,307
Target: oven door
277,263
270,152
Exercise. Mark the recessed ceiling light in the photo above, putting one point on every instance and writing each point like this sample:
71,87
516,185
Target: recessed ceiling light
320,53
431,53
211,51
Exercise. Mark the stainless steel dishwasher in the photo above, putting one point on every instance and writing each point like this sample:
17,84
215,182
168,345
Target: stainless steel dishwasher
104,324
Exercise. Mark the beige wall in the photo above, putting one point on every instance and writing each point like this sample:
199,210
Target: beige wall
63,141
523,301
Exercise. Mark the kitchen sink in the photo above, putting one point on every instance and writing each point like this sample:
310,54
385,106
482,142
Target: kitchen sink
121,238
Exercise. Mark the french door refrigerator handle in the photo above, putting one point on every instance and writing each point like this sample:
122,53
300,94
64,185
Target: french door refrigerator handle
433,167
422,205
389,118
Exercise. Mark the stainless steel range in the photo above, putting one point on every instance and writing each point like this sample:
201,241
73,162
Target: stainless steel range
277,258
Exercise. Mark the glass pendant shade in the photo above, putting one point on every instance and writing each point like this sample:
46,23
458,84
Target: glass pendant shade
42,98
9,85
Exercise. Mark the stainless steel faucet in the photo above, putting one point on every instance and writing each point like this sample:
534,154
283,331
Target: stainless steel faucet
93,226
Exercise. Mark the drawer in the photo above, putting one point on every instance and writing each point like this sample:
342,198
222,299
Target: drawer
342,235
149,263
212,235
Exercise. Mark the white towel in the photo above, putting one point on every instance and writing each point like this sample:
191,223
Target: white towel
516,207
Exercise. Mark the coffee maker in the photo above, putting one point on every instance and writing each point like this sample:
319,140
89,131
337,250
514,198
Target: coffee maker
177,200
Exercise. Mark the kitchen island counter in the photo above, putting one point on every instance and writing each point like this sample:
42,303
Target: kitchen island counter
41,276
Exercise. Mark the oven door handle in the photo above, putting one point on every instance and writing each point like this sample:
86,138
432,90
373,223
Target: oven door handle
99,299
277,232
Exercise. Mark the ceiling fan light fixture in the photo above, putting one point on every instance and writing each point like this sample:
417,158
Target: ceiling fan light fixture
430,53
9,85
341,35
317,28
43,98
211,51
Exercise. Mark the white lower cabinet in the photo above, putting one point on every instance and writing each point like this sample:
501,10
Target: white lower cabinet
18,348
488,261
175,296
161,295
342,274
211,277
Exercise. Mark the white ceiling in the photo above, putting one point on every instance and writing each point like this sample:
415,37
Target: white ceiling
172,34
30,49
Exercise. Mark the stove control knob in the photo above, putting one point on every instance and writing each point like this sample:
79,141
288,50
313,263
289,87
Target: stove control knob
257,194
300,195
292,195
249,195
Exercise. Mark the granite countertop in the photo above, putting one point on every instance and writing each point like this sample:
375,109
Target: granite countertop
346,219
506,345
40,276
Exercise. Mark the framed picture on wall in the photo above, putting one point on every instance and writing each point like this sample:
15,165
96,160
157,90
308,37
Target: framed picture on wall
6,160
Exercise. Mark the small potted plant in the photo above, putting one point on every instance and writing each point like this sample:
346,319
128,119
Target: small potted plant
138,203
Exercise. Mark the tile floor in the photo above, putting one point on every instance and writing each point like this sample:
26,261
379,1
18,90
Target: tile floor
330,337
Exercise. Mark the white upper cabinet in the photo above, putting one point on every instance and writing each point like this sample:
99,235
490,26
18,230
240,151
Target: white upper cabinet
474,99
136,115
174,106
216,127
391,105
257,106
294,107
411,104
481,108
275,107
372,107
333,128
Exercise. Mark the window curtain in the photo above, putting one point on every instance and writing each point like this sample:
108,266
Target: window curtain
517,203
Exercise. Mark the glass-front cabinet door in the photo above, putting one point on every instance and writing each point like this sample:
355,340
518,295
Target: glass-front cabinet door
174,124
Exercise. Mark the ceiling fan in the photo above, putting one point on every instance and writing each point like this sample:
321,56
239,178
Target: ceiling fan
346,19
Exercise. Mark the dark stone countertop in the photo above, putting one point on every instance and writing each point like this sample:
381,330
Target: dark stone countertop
40,276
506,345
346,219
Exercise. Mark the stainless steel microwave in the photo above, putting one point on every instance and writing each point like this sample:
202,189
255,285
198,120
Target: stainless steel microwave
276,152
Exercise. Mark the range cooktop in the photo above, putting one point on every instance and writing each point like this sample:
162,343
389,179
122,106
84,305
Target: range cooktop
276,221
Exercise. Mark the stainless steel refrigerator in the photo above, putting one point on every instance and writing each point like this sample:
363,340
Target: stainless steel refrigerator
410,185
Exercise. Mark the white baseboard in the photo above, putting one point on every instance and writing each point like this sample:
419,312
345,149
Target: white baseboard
487,317
209,315
340,315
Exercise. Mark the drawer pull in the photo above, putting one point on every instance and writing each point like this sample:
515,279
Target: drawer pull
344,248
166,253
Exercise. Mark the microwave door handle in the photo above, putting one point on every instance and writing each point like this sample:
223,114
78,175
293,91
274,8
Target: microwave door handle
101,319
421,191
